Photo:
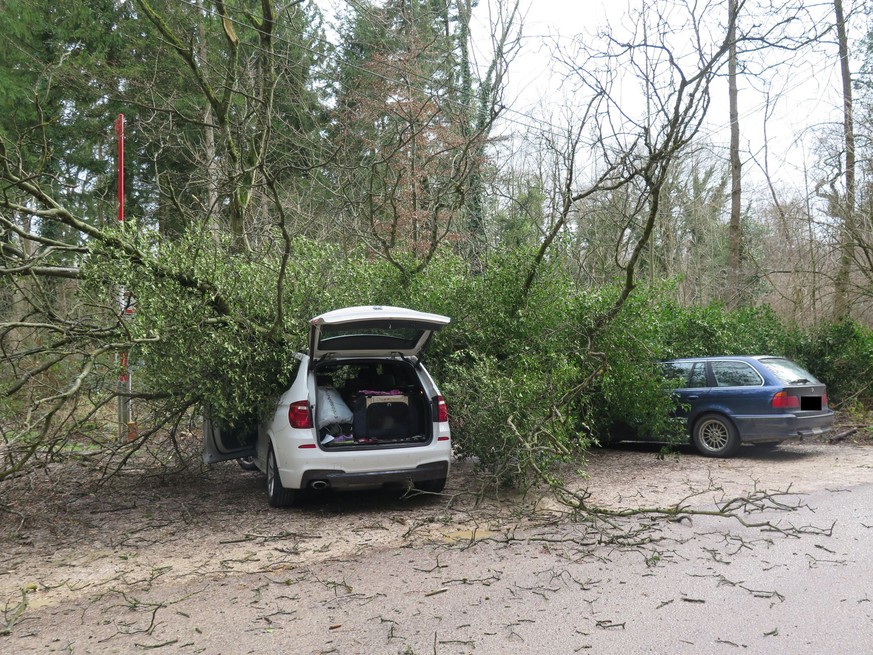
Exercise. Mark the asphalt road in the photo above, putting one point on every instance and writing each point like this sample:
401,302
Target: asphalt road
185,569
712,586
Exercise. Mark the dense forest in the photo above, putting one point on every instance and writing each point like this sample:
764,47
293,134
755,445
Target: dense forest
279,162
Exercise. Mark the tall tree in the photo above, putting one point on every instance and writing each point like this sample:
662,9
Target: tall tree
232,103
846,209
410,136
735,235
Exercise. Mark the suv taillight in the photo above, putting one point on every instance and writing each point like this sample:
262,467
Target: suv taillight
298,415
442,410
783,401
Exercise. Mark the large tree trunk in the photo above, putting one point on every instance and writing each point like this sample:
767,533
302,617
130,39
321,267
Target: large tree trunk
733,293
847,207
210,153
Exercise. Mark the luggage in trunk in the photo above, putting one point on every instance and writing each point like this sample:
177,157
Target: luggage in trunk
382,418
374,407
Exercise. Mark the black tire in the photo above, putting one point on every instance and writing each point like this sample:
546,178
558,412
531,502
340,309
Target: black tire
431,486
277,495
247,463
715,436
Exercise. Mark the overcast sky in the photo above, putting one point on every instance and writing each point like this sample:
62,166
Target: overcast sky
806,93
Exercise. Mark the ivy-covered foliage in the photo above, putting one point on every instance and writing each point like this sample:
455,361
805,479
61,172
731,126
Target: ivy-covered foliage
228,345
531,379
713,330
515,369
841,355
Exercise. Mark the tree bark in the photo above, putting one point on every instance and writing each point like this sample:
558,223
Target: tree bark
847,231
210,153
733,292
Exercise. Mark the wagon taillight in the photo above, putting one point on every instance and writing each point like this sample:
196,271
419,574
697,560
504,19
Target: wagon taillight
782,400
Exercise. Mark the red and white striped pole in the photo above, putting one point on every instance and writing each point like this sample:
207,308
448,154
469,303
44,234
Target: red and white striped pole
126,426
119,131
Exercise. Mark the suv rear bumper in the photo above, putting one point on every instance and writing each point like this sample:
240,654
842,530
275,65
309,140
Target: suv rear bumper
373,479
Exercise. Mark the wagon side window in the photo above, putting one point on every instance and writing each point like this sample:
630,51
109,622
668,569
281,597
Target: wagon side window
677,373
736,374
698,376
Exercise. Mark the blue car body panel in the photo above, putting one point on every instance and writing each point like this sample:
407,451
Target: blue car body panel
750,406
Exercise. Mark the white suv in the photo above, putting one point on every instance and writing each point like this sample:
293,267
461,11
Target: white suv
362,412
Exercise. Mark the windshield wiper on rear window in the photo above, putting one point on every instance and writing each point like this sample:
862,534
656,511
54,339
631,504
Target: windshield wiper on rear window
799,381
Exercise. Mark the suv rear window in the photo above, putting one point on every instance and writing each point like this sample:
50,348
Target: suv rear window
363,337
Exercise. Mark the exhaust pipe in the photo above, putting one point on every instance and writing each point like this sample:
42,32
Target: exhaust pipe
319,484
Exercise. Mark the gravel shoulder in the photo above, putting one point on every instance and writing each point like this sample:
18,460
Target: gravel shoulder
198,563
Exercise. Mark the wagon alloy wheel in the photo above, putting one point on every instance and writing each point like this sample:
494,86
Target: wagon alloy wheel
277,495
715,436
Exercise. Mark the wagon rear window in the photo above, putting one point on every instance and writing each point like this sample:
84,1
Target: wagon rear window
788,372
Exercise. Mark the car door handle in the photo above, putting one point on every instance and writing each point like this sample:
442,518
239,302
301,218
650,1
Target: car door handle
693,397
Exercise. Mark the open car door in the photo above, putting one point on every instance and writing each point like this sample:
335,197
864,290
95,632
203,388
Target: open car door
222,443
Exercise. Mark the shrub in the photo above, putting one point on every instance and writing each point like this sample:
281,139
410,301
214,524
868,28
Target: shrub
714,330
511,368
531,377
841,355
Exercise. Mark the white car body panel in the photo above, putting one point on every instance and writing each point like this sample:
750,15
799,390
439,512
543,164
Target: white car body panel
295,461
385,338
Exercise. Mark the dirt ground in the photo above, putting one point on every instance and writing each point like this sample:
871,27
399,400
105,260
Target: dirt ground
198,562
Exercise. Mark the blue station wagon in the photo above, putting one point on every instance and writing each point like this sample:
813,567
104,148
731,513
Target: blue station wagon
728,401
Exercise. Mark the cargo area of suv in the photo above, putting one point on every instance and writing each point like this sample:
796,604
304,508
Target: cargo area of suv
367,404
362,411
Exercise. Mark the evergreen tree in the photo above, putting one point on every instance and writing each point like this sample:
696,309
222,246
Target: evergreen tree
409,145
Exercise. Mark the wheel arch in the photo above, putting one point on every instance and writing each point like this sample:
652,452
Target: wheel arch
711,411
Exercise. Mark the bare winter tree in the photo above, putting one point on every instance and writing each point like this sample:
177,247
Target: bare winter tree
846,208
792,247
636,143
647,100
